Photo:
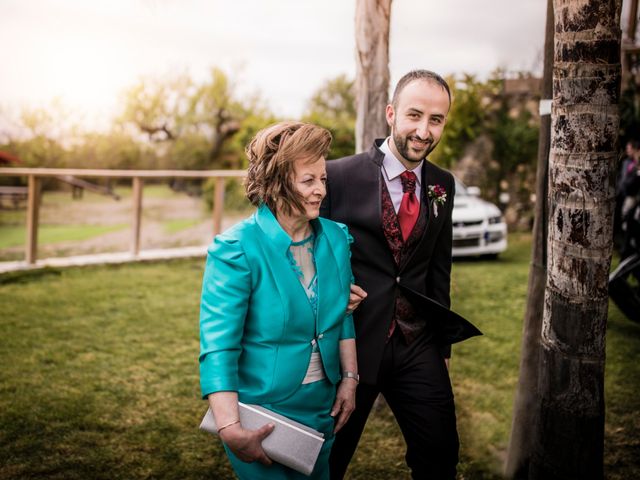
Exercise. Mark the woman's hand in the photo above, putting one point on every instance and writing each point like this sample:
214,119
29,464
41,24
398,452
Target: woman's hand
356,296
345,402
247,444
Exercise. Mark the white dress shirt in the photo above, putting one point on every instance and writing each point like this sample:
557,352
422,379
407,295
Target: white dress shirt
392,168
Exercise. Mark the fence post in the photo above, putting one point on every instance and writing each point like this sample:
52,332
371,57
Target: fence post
218,205
137,214
33,210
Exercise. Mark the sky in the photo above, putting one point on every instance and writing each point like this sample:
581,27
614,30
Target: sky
86,52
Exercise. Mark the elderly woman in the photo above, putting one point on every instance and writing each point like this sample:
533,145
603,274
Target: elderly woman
275,327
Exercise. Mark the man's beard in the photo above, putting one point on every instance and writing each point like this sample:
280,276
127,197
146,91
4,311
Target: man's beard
402,144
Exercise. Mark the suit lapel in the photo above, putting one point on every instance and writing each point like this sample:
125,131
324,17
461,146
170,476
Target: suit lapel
426,201
369,183
433,176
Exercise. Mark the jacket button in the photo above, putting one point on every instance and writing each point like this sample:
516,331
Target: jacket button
320,336
397,279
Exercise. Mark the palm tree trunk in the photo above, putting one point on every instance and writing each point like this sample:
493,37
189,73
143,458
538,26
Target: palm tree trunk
372,74
568,440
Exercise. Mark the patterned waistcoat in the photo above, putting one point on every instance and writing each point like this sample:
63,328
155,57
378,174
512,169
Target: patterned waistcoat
404,315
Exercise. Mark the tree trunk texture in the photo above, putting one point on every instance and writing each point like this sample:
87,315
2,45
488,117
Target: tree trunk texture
372,73
629,40
568,439
525,407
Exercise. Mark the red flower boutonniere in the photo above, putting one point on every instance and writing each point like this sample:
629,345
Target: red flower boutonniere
438,194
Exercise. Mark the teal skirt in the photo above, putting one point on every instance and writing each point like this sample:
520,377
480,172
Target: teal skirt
309,405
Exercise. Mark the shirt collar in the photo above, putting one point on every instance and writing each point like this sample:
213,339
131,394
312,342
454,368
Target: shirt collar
392,167
268,223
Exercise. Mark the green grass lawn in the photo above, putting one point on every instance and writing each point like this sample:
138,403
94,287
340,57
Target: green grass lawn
177,225
14,236
124,190
99,376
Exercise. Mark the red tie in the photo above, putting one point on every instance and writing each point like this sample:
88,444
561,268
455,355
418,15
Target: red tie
410,207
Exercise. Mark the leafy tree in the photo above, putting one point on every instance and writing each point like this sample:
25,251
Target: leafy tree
39,137
257,117
158,108
192,120
114,149
335,99
233,156
333,107
482,111
50,137
515,142
467,118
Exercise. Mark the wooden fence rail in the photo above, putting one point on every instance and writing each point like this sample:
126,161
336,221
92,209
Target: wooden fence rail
35,175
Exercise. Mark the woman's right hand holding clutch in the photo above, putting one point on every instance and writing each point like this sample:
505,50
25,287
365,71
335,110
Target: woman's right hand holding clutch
247,444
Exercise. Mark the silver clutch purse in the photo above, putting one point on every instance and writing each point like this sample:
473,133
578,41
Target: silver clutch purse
290,443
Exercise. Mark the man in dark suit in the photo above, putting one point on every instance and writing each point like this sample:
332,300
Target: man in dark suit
398,206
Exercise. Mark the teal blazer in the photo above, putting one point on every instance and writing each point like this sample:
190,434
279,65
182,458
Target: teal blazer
257,326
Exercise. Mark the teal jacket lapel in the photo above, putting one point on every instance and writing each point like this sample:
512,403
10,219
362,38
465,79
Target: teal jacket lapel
329,279
277,245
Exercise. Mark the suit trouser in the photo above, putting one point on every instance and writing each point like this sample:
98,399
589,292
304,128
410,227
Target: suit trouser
415,383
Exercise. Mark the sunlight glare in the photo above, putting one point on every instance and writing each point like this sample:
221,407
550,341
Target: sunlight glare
86,75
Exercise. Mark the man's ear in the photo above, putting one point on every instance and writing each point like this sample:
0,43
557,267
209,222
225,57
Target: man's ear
390,114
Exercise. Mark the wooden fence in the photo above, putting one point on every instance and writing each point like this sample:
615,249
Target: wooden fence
35,175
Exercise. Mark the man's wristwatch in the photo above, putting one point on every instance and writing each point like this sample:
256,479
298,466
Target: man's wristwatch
353,375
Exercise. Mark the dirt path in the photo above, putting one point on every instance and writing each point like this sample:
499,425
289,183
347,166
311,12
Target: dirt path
161,209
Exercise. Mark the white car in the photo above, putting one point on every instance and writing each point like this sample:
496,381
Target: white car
478,226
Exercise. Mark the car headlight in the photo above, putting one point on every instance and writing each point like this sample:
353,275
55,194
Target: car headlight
495,220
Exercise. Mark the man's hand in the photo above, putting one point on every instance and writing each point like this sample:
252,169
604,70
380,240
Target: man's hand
247,444
356,296
345,402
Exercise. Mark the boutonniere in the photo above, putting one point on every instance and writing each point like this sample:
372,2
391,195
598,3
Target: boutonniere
438,194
